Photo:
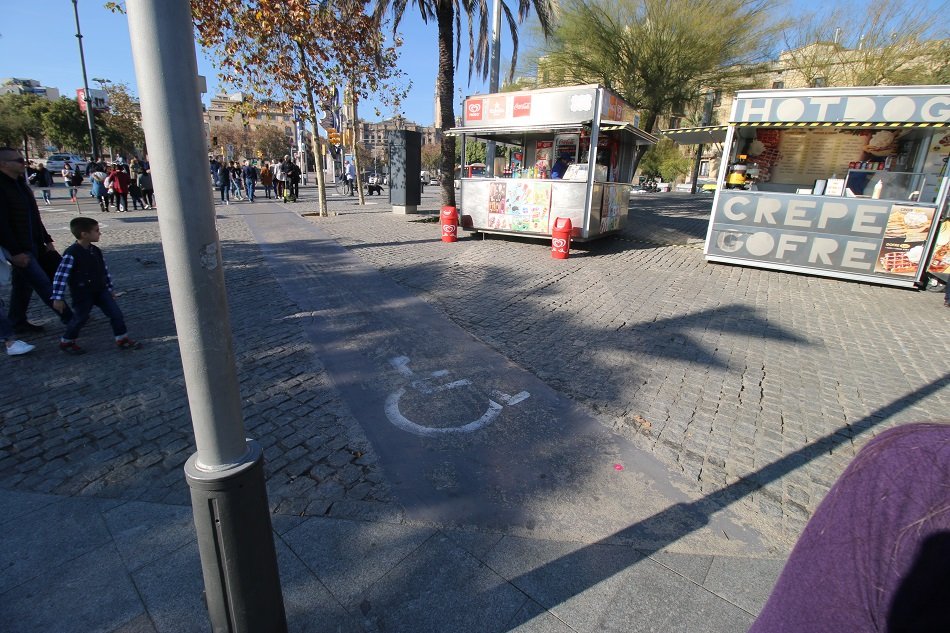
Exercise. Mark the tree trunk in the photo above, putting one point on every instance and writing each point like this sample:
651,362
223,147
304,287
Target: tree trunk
317,140
356,152
446,89
648,123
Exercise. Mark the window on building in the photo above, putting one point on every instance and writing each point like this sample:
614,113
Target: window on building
778,85
675,122
704,169
819,82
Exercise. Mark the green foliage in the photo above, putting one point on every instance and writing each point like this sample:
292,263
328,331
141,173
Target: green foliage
121,127
658,54
21,118
664,160
475,152
65,125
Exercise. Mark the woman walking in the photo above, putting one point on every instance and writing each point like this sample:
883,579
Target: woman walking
100,189
145,184
120,188
67,174
279,178
235,176
44,180
267,179
224,183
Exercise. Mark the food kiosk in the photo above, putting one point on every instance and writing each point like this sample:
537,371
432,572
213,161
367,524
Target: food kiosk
588,127
849,183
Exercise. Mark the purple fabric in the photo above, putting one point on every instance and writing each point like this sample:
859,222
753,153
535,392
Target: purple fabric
876,554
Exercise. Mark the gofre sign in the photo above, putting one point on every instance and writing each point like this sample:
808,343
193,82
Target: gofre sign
843,234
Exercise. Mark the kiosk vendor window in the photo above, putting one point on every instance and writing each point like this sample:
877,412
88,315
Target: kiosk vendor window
849,183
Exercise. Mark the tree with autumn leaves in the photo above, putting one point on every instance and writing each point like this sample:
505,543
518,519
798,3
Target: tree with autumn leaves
292,53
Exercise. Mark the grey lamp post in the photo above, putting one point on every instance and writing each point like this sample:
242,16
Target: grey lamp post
226,474
90,121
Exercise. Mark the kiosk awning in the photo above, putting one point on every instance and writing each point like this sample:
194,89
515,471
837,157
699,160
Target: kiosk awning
841,124
697,135
630,128
512,133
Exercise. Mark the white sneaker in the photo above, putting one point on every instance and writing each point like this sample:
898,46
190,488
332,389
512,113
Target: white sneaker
19,347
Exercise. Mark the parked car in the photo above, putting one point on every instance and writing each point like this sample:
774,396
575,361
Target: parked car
55,162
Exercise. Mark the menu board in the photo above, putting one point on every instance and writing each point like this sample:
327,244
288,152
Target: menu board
935,165
519,205
905,238
808,155
940,262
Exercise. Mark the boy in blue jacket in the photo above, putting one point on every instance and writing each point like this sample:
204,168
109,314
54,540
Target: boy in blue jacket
84,270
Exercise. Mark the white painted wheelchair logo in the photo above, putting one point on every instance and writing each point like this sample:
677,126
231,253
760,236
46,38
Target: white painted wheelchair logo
426,386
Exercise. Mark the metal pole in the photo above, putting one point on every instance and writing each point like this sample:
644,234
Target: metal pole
707,118
493,76
85,84
226,474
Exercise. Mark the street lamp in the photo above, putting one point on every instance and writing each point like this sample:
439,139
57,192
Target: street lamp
85,84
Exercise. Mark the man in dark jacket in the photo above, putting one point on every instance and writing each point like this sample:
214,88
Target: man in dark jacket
23,235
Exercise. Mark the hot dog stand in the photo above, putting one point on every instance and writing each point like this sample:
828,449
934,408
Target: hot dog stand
848,183
589,126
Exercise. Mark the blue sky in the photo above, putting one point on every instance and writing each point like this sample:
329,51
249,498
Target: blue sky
37,41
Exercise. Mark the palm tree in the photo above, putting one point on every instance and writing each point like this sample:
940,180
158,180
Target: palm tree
447,15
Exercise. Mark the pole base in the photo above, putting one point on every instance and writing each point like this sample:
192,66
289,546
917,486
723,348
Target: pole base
236,544
404,209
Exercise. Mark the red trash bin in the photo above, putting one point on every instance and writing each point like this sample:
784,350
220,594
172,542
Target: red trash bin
561,238
450,222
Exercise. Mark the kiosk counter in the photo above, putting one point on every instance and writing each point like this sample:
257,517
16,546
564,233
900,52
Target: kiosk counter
849,183
572,153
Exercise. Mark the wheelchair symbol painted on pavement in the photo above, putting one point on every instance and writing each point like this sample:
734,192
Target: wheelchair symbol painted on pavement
426,386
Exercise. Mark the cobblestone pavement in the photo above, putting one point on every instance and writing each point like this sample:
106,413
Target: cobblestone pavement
115,424
758,383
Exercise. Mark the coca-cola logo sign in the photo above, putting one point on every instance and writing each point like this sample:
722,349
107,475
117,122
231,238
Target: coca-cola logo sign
522,106
473,110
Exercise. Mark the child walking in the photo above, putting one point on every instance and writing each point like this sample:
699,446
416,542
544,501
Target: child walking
84,270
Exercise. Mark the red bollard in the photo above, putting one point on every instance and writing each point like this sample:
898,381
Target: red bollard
450,222
561,238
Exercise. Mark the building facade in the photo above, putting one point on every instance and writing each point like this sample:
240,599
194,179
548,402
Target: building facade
374,136
14,85
230,130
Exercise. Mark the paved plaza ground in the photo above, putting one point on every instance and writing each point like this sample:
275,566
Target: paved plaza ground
733,393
